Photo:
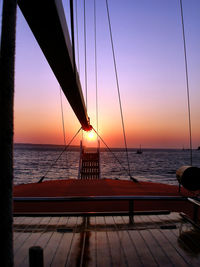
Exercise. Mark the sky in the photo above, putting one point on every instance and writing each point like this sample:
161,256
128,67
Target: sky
148,45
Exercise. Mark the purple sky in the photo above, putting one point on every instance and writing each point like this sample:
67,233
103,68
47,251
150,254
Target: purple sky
150,61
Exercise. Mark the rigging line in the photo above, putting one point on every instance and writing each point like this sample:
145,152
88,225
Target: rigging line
63,122
96,76
55,161
77,40
85,47
187,81
64,134
118,89
116,158
72,34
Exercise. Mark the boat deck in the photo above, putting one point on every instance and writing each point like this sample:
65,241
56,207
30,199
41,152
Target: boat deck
99,187
156,240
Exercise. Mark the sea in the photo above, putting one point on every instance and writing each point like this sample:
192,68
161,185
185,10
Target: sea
31,162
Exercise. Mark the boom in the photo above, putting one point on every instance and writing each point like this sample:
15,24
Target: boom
47,21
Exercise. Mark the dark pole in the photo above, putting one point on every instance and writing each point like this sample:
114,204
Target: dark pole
7,62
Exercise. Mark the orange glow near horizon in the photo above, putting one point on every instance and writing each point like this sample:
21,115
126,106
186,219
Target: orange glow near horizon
148,132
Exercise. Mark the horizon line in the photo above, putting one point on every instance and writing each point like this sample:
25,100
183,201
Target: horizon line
36,144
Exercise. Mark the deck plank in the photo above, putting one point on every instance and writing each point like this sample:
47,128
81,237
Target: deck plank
75,249
126,242
53,243
17,221
22,253
107,241
22,221
62,252
63,249
25,235
172,236
116,250
156,250
142,250
169,249
92,242
44,221
185,249
51,249
41,241
103,253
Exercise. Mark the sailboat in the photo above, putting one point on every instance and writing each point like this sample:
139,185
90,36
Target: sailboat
89,197
139,151
62,62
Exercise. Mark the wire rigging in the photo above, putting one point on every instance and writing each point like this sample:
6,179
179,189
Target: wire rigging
63,127
62,114
116,158
55,161
77,44
77,40
85,48
187,81
72,34
118,88
96,74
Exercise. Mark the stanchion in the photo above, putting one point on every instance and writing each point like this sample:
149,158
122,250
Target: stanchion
36,257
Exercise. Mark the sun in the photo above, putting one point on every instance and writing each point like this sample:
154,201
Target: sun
90,136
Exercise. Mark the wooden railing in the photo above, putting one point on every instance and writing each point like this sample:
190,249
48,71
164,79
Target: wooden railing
130,212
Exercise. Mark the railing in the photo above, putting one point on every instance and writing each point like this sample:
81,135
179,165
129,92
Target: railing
89,163
129,213
195,218
196,205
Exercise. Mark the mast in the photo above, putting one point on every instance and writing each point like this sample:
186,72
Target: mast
7,63
48,24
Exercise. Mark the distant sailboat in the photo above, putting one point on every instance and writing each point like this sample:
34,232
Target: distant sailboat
139,151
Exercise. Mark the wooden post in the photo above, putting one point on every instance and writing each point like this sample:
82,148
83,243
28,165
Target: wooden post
7,63
36,257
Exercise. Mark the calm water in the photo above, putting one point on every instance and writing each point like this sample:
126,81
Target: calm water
31,162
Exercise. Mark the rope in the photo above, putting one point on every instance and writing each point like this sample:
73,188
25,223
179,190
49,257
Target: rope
63,122
96,77
55,161
72,34
85,47
77,40
187,81
118,89
116,158
63,127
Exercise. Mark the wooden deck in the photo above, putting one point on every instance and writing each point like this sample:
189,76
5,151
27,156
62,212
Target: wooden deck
164,240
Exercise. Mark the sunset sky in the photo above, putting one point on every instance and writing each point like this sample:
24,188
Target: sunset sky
150,61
